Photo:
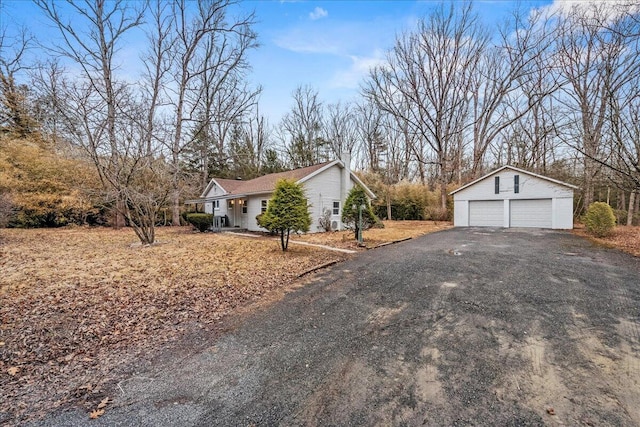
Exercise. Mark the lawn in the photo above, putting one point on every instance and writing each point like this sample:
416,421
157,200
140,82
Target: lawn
79,306
392,231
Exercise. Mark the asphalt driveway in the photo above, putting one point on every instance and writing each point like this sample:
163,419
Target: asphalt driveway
461,327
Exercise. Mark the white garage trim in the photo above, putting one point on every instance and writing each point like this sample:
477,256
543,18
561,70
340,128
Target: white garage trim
536,213
486,213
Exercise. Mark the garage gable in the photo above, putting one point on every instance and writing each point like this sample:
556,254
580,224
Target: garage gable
529,186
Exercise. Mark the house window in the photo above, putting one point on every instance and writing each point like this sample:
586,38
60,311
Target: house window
497,185
516,183
263,205
216,204
336,208
244,206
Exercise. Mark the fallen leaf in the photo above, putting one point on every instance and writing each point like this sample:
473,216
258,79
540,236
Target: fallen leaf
13,371
1,343
95,414
103,403
551,411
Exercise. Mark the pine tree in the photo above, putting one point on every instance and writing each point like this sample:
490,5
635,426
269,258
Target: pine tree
350,215
287,211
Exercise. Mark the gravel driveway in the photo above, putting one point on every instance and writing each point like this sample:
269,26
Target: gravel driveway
461,327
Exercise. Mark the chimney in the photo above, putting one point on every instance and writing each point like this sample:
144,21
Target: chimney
345,182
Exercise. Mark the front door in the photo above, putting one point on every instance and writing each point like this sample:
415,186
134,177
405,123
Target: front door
244,215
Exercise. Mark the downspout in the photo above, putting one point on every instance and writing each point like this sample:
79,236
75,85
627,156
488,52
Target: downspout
345,181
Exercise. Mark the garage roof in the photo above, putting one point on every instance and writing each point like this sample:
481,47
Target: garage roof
555,181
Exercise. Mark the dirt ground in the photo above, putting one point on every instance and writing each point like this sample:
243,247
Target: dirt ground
460,327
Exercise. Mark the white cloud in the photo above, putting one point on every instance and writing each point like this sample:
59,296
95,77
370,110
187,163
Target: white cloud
359,69
318,13
612,9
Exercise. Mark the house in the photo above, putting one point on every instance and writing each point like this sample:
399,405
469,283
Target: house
512,197
326,187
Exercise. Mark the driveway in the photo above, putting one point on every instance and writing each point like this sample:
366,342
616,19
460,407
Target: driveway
460,327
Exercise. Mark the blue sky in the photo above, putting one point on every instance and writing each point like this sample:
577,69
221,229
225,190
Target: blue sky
326,44
331,44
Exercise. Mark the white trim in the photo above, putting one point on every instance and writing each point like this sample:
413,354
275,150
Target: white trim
518,170
208,188
340,164
319,171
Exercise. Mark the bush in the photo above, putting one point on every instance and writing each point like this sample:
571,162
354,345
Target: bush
350,212
325,220
287,211
599,219
201,221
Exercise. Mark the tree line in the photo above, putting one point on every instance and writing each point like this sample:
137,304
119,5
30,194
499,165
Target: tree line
553,91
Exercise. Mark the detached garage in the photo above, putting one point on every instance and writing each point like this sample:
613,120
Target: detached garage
512,197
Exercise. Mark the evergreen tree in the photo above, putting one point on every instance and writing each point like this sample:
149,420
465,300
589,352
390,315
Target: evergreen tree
287,211
350,215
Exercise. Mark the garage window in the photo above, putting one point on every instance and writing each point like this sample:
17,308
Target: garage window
497,185
516,183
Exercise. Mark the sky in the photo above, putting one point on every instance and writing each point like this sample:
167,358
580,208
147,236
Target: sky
328,45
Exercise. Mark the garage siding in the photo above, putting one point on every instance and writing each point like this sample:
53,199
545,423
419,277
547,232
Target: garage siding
531,213
486,213
521,199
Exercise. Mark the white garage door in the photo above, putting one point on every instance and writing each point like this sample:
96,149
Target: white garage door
531,213
486,213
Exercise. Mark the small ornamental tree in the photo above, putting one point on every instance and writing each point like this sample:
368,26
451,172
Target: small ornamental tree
599,219
350,216
286,212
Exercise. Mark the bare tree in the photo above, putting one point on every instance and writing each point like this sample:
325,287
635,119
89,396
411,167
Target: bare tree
508,84
370,133
340,128
301,130
101,115
15,112
426,84
208,56
596,62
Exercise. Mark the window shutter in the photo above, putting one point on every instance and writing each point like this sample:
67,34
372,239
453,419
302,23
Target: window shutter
516,183
497,181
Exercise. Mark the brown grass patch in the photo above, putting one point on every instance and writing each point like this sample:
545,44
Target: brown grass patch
625,238
78,305
392,231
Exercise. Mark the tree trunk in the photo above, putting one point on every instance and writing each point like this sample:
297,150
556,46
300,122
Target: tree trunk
637,208
443,193
389,203
632,203
175,212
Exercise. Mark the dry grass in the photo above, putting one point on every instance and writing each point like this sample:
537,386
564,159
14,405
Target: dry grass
78,304
625,238
392,231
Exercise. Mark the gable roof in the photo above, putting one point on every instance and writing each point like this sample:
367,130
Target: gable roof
267,183
555,181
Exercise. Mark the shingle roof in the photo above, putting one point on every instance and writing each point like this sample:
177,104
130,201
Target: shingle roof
266,183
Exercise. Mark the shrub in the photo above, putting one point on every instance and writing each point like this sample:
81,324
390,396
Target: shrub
599,219
350,212
325,220
286,211
201,221
6,209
